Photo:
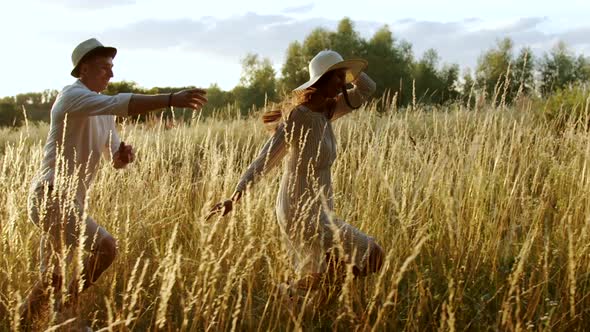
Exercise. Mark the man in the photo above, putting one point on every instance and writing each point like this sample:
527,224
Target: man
82,129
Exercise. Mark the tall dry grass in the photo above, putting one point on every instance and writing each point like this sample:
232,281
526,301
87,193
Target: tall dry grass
483,215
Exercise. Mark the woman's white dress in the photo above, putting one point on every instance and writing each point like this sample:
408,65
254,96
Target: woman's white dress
304,203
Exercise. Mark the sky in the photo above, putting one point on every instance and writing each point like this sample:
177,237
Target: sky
190,42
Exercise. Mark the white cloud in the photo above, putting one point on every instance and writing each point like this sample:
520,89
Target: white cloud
232,38
462,42
90,4
299,9
197,51
577,36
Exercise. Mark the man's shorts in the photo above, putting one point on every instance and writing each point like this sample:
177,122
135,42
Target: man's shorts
63,222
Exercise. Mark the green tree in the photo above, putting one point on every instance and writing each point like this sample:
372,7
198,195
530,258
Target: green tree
346,40
258,83
36,104
28,98
434,86
467,88
121,87
295,69
582,71
49,96
389,65
494,73
318,40
524,70
216,100
449,76
427,85
558,69
9,114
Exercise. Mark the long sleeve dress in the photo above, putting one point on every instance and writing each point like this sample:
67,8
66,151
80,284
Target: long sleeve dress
305,200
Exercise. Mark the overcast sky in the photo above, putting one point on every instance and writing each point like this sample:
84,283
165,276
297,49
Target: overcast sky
189,42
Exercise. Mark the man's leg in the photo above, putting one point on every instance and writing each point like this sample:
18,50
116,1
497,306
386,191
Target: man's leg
102,254
51,281
43,211
102,248
61,236
38,298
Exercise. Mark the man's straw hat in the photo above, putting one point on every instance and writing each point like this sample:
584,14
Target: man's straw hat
328,60
88,47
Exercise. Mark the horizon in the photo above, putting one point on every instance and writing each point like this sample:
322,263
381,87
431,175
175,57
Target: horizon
159,47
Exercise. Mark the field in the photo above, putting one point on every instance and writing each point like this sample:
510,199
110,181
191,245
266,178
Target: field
484,216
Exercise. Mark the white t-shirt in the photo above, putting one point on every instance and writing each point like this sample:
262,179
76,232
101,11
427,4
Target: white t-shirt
82,128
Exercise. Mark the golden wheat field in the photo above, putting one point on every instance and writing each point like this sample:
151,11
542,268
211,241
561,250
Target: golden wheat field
483,214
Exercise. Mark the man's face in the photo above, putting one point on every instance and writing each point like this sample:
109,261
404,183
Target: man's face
97,72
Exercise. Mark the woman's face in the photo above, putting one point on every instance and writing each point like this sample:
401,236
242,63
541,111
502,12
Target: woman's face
333,83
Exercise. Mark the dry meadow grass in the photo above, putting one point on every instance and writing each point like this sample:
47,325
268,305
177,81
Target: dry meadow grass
484,217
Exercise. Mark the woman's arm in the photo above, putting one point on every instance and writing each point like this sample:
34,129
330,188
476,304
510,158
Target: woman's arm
363,88
270,156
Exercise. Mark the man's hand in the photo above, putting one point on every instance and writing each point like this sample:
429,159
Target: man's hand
125,155
191,98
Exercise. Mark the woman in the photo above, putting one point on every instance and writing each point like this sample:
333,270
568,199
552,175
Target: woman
320,245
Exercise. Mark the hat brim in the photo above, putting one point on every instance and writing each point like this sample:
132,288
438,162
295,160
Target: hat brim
100,50
354,68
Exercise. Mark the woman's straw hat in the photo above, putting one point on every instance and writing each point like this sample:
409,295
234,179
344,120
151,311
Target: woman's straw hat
328,60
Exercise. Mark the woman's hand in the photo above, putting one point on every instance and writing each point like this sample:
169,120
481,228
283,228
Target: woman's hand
224,207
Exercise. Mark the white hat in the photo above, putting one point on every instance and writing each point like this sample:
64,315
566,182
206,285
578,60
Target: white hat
87,46
328,60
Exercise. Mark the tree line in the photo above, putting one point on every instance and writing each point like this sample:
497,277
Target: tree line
502,73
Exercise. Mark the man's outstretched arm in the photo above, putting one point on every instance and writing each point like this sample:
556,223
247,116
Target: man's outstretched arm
191,98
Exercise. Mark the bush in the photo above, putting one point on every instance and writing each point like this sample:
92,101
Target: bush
568,105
